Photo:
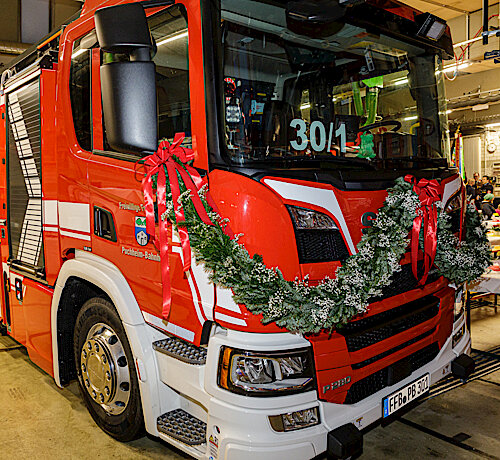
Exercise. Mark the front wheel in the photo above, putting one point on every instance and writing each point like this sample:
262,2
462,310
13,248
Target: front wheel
106,372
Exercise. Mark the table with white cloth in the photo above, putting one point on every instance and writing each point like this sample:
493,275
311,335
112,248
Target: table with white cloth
494,240
491,223
487,283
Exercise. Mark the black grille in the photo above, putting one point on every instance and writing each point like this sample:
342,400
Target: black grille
378,380
371,360
404,281
320,246
367,331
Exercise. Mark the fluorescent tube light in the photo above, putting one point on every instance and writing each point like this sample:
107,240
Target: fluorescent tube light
172,38
452,67
404,81
78,53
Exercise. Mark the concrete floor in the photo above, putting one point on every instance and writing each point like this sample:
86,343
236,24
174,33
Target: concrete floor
40,421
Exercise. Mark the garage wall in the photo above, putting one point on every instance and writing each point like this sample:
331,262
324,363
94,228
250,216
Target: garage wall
27,21
10,27
472,155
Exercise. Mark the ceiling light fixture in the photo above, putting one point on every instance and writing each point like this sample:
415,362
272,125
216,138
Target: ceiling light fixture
78,53
404,81
452,67
173,38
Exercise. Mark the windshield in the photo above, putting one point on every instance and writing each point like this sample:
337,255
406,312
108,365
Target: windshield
347,94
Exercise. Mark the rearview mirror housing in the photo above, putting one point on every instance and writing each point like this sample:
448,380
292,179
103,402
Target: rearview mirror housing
122,28
314,18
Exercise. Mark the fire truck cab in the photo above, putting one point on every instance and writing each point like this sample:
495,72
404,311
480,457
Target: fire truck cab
301,114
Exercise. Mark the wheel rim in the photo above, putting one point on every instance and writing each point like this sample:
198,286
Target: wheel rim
105,369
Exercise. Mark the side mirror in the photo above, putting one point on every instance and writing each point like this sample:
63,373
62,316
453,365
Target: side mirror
315,18
128,84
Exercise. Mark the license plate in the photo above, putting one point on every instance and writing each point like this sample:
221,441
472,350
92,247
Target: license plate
405,395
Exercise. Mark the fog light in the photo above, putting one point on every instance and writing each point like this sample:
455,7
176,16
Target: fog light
458,336
295,420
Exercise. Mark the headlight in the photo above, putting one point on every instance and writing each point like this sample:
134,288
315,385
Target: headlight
458,308
455,202
317,235
265,374
307,219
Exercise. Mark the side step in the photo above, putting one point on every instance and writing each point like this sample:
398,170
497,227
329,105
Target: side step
180,425
182,350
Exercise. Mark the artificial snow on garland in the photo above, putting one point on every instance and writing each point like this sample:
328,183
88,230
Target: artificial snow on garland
301,308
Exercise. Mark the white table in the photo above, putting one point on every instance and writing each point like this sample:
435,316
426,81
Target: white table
494,240
491,223
489,282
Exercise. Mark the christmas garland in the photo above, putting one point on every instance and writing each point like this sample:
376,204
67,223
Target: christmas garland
302,308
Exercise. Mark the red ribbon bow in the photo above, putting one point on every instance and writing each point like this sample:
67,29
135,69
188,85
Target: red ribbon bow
156,164
429,192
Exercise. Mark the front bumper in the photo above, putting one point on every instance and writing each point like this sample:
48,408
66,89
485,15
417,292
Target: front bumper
243,433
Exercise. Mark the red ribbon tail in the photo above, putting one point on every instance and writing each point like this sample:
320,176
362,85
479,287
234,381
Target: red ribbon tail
172,169
165,270
200,209
426,247
164,246
157,163
428,191
430,242
415,234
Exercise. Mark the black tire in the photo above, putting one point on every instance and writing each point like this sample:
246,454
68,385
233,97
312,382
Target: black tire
129,424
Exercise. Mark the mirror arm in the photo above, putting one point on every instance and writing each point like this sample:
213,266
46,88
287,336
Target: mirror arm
155,3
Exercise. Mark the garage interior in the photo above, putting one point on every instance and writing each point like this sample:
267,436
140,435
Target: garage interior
457,420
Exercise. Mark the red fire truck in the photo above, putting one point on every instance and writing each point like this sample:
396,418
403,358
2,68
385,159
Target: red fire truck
301,114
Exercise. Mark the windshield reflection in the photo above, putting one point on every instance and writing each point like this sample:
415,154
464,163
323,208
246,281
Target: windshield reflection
351,95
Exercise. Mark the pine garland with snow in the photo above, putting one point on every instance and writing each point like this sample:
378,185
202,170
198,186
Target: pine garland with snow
301,308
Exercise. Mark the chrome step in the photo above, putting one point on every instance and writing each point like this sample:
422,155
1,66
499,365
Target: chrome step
180,425
182,350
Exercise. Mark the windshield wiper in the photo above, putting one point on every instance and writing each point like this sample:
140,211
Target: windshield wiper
317,159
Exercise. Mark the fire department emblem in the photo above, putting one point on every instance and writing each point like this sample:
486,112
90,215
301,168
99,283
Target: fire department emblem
141,236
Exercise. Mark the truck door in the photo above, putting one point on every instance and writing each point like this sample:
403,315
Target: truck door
115,179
